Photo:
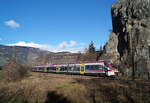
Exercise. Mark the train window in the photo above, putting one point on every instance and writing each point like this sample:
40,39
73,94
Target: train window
66,68
95,66
63,68
100,67
34,68
37,68
51,68
106,68
41,68
70,68
48,68
92,66
76,68
54,68
106,64
87,67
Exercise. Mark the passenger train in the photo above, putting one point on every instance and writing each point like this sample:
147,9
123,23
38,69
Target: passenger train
100,68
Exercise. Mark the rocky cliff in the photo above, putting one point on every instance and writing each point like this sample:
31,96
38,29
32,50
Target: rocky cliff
131,25
110,49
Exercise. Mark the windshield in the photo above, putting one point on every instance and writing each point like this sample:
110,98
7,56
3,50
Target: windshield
106,68
106,64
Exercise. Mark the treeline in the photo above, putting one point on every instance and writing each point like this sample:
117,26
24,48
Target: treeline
91,54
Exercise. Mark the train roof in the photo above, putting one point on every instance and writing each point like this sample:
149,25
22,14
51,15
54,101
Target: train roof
77,63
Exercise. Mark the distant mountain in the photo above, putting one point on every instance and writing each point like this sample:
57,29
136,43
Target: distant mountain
35,56
24,55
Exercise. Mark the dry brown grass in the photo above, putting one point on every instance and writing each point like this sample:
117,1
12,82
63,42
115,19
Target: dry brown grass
115,84
36,89
57,88
77,93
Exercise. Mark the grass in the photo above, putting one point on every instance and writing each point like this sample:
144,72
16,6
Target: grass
75,92
48,88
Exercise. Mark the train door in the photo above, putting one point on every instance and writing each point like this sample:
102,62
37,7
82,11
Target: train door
45,69
57,69
82,69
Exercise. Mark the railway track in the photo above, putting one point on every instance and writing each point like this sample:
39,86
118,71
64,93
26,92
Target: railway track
69,76
63,78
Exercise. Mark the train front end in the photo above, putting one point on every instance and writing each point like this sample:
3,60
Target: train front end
111,70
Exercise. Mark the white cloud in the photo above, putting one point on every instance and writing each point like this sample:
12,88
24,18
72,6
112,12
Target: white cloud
31,44
65,44
71,46
0,39
73,43
12,24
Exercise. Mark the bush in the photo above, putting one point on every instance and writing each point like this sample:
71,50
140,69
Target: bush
14,71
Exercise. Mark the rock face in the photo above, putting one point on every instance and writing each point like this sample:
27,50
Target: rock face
131,24
110,49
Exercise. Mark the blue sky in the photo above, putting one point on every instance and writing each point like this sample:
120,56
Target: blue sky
55,25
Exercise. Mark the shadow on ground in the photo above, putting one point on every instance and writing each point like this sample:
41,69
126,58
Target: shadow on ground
53,97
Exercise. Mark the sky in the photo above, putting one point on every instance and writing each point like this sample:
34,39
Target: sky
55,25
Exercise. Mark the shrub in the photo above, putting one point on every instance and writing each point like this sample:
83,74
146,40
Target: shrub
15,71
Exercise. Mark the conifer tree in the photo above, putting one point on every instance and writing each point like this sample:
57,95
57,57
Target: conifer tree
91,48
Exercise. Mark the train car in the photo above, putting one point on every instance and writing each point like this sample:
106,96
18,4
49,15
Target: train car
39,69
74,68
68,68
100,68
51,69
95,69
112,69
61,68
